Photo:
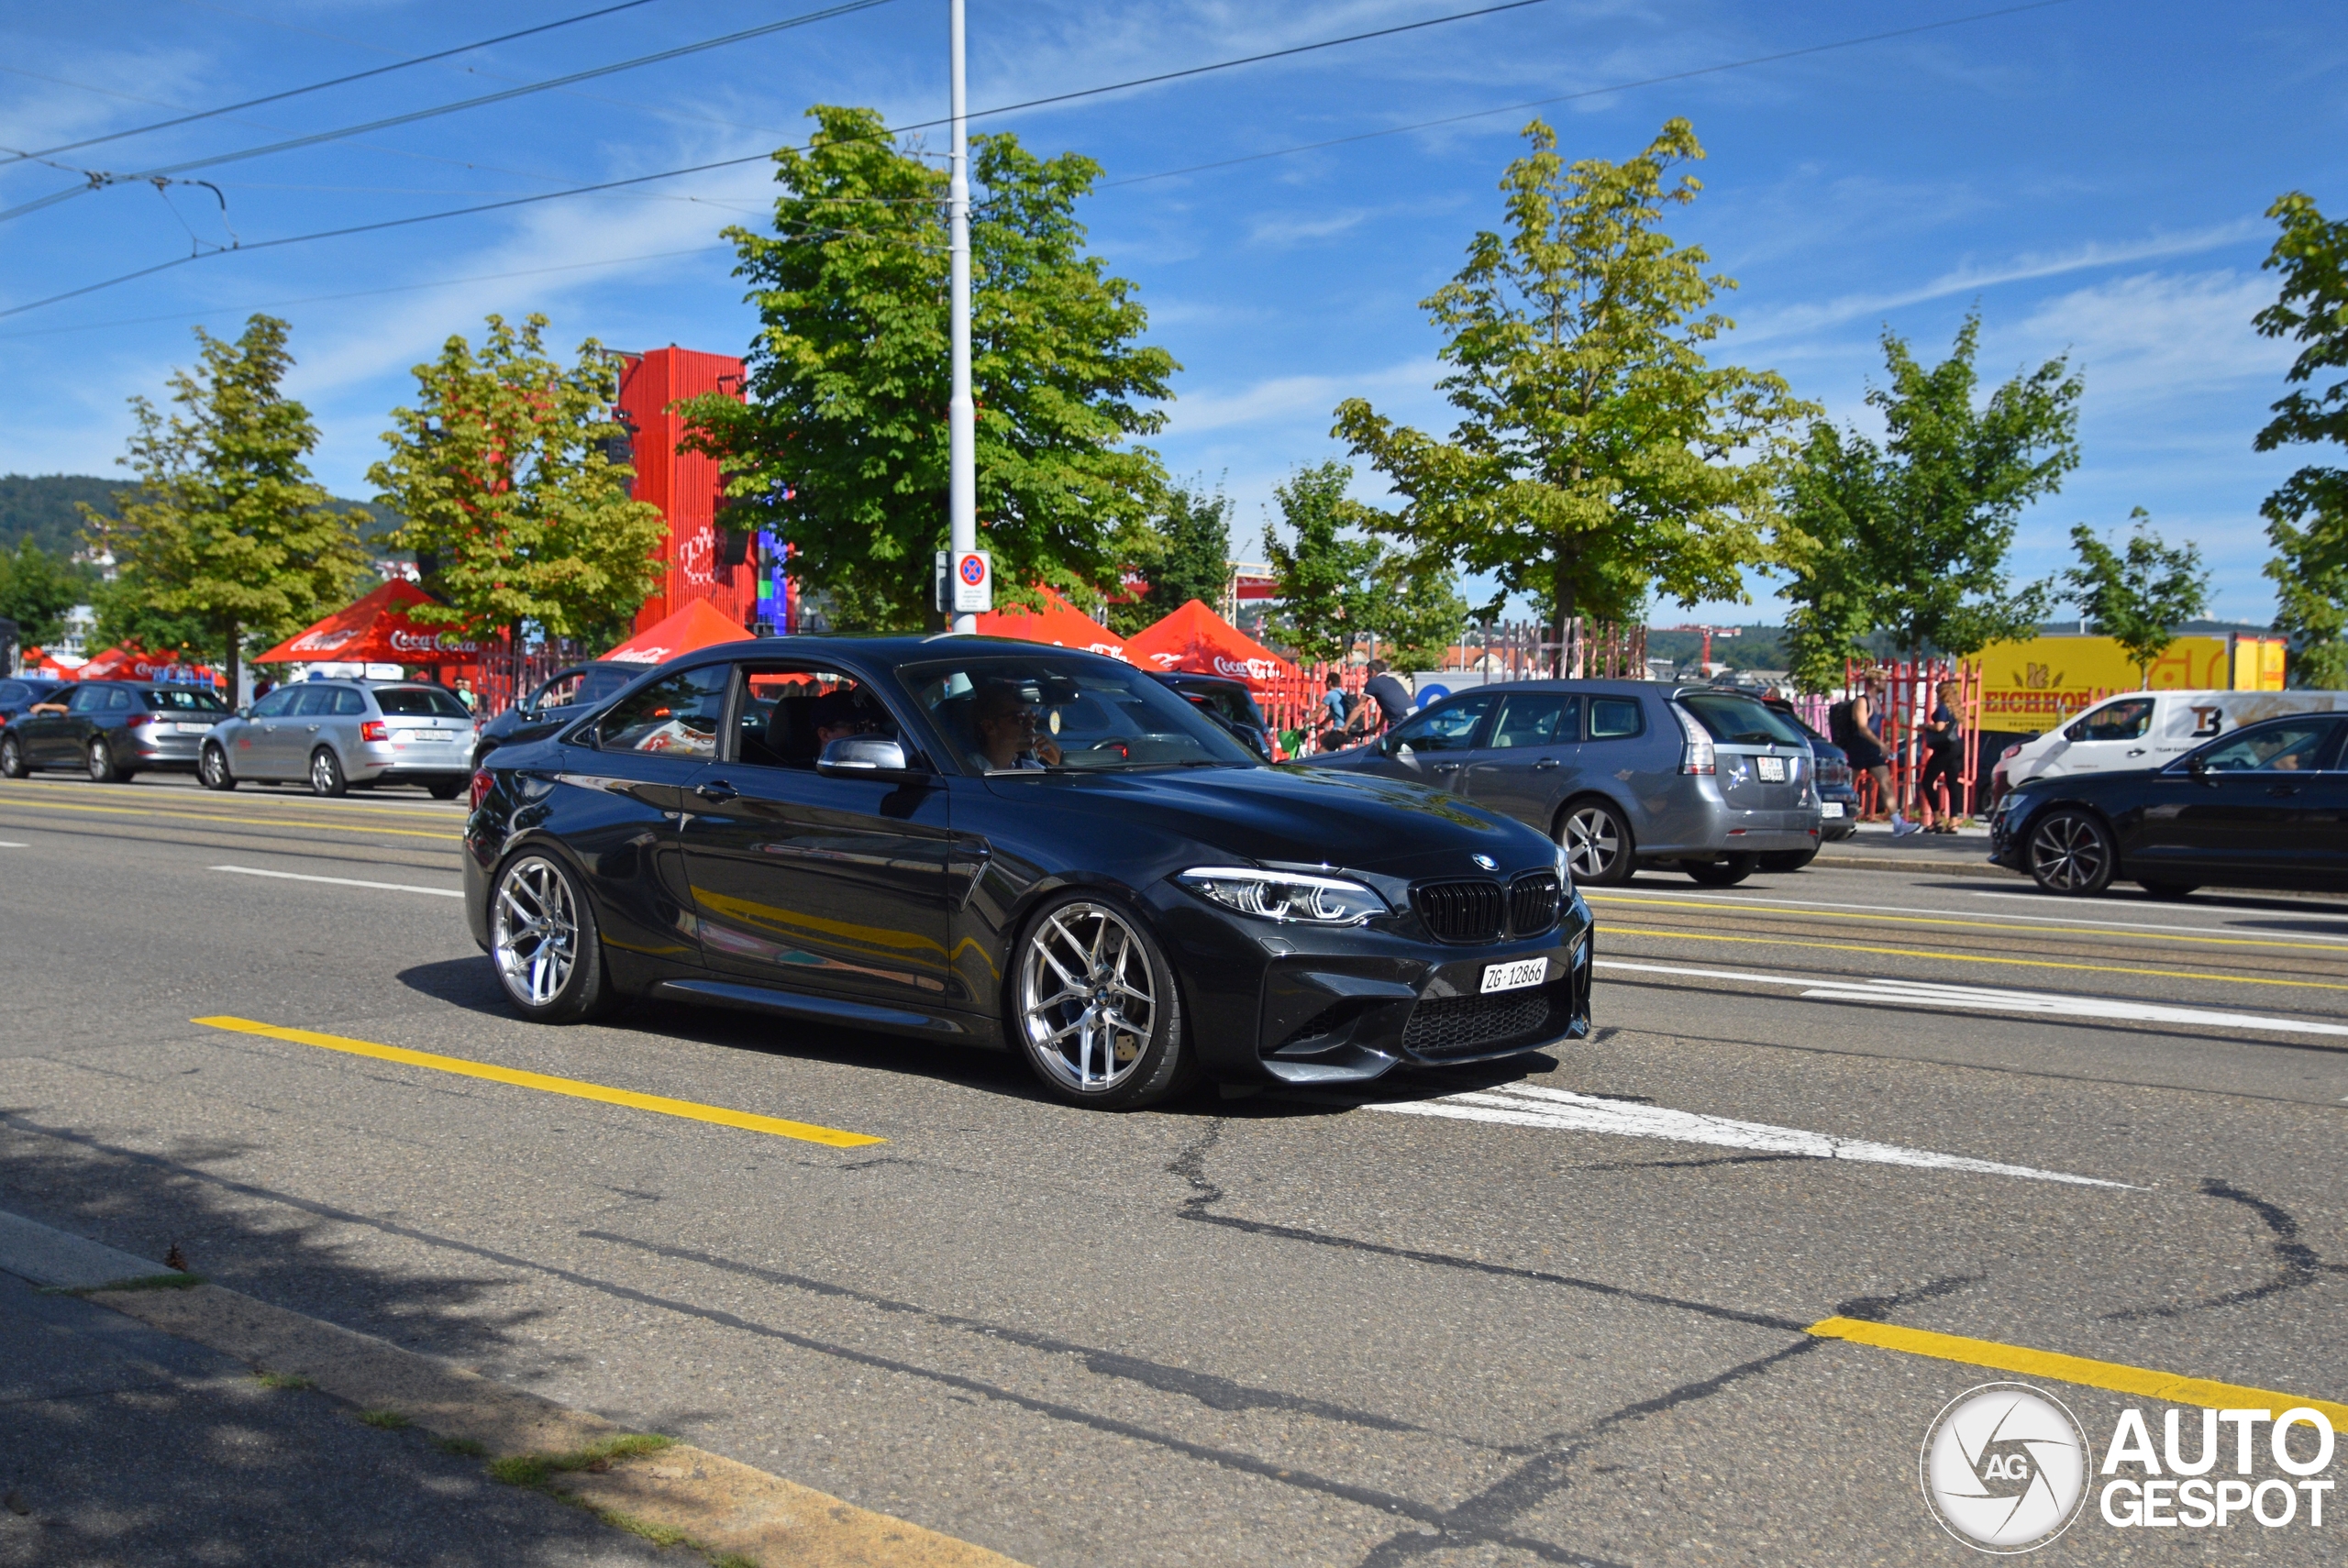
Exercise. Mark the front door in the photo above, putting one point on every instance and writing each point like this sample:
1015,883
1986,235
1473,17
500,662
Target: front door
1431,746
2255,805
2116,735
48,739
808,882
1525,763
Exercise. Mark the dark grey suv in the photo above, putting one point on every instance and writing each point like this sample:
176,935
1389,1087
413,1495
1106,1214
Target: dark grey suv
1624,774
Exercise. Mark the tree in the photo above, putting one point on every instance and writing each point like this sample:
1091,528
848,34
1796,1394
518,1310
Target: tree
1910,538
513,505
36,589
1324,580
1415,610
1598,456
1184,553
2307,518
2137,597
842,445
226,537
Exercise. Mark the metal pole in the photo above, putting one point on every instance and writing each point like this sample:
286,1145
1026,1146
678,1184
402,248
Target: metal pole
961,412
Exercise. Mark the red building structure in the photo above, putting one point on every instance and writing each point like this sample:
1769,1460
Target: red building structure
685,486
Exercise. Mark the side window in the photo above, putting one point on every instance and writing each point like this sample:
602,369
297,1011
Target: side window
2113,722
12,693
559,692
2277,749
119,701
88,700
349,704
1449,727
1537,718
790,713
274,705
1614,718
679,716
313,702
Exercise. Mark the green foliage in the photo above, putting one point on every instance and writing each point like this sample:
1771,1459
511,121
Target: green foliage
1910,538
2307,518
1415,610
36,590
842,445
44,508
1324,580
1599,457
2138,595
502,475
1184,553
226,537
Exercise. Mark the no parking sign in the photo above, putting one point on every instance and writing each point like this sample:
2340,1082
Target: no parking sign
965,581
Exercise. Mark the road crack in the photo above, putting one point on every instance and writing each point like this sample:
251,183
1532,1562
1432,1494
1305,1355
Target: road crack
2299,1265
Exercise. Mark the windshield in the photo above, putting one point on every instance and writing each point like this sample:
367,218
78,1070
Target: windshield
1015,713
185,700
420,703
1739,720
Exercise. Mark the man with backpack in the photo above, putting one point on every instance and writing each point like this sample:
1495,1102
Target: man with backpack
1851,725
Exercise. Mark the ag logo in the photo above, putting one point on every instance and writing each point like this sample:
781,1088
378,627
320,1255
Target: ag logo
2004,1468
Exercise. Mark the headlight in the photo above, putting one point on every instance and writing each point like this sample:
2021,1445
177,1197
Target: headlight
1286,895
1564,872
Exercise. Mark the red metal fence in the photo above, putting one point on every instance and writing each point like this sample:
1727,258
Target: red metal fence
1903,693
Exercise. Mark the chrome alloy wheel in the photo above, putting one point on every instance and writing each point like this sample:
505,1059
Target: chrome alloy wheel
2067,855
1085,998
1592,842
534,931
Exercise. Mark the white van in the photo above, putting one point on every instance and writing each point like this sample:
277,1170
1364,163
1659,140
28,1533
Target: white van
2149,729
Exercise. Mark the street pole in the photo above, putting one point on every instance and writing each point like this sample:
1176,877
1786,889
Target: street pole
961,411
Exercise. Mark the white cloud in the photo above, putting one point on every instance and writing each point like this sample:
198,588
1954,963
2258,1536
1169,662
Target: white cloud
1288,398
2154,336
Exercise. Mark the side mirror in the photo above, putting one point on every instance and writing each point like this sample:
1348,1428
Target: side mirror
864,756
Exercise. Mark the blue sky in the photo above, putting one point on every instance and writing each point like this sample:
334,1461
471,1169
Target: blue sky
2089,174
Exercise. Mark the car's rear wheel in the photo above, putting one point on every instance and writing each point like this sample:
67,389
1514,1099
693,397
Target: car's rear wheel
326,773
1786,860
542,941
212,769
1597,843
1725,873
102,767
447,791
2072,853
12,757
1094,1007
2169,890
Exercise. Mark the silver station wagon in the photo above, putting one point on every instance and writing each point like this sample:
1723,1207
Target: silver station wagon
334,734
1624,774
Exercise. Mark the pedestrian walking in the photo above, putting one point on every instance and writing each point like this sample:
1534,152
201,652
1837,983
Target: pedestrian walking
1943,741
1856,726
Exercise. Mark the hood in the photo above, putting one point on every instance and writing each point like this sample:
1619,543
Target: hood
1304,815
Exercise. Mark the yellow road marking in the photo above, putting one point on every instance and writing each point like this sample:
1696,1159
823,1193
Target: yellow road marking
1621,931
291,800
577,1088
2171,1387
209,817
1964,924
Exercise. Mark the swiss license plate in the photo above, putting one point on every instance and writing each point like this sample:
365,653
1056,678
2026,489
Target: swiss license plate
1772,769
428,735
1515,976
1830,809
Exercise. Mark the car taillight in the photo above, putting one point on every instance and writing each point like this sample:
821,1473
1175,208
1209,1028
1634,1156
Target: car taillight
374,730
137,721
1697,756
482,784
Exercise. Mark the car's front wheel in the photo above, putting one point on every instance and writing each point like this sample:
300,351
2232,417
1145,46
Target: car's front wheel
12,757
1597,843
326,773
1094,1007
542,941
2072,853
212,769
1725,873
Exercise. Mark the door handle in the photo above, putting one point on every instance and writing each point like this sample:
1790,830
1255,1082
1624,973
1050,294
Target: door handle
717,791
313,729
1442,767
2138,752
1544,764
2282,790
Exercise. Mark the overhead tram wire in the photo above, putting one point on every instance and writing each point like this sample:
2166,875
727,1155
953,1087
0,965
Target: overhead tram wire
193,116
99,179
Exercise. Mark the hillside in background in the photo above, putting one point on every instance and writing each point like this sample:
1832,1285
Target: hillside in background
41,507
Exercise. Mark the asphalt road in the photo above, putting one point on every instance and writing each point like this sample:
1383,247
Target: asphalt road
1554,1315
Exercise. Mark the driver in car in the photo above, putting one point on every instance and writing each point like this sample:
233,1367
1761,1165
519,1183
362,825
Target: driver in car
1008,738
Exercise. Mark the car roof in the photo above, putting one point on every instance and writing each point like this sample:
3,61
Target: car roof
1602,687
904,648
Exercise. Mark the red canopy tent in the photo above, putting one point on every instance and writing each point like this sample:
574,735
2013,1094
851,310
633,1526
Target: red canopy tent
699,625
1059,623
376,630
130,662
1196,639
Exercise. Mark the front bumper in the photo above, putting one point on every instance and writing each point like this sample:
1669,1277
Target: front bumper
1288,1004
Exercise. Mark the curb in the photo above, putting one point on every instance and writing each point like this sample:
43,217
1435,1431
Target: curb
1949,867
688,1495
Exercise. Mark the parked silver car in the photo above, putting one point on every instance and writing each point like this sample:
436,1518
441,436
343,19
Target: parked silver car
336,733
1624,773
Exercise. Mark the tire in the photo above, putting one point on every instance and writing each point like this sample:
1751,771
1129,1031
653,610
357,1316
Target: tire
212,769
1721,873
543,944
2072,853
11,759
102,767
1077,982
445,791
326,773
2170,891
1786,860
1598,850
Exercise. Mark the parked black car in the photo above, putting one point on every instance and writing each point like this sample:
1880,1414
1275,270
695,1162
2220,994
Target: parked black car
1016,846
2265,806
560,698
1229,703
1838,796
114,729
